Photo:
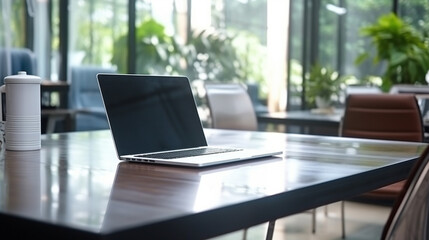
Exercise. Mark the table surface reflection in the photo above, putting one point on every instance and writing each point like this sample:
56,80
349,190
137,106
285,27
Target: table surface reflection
75,187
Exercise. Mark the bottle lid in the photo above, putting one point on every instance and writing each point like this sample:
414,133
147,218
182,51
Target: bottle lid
22,78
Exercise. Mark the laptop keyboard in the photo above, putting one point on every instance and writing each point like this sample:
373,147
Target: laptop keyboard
189,153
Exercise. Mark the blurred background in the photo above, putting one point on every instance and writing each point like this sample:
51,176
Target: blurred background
268,44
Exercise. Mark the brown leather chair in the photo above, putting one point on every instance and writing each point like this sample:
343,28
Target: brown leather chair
409,216
379,116
383,116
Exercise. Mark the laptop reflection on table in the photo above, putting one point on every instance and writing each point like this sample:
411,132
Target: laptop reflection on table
147,193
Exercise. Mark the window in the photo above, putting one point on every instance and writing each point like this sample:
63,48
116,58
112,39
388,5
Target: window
328,32
254,41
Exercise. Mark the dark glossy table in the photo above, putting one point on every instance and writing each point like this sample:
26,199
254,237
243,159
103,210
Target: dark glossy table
308,121
75,187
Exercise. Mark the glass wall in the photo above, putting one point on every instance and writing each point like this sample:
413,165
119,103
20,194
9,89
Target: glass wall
247,43
94,27
229,45
209,40
13,24
360,14
416,13
327,32
252,41
157,40
13,32
297,53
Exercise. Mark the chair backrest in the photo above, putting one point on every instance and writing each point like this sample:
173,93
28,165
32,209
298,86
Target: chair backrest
409,88
84,92
420,91
382,116
408,218
21,59
230,106
354,89
253,90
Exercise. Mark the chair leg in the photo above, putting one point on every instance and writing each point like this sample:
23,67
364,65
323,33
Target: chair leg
271,224
313,221
326,210
245,234
270,230
343,221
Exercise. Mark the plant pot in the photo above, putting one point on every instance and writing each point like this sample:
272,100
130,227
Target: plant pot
323,103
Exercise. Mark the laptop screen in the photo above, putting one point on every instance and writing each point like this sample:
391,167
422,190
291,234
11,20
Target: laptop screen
150,113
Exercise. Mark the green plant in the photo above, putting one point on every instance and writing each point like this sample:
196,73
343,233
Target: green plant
401,47
218,56
156,51
213,57
323,82
206,55
253,58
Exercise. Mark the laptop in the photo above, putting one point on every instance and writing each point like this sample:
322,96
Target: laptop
154,119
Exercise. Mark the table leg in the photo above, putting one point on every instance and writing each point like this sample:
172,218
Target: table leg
270,230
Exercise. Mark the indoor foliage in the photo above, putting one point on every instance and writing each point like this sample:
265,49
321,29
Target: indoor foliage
206,55
323,83
401,47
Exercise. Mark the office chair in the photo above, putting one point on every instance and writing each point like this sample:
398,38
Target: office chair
420,91
230,106
409,88
409,216
382,116
417,90
85,95
253,90
21,59
353,89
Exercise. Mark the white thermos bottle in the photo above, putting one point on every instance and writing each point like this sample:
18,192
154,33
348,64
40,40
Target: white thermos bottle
21,111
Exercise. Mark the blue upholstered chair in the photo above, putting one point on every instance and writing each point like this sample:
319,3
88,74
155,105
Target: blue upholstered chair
21,59
84,94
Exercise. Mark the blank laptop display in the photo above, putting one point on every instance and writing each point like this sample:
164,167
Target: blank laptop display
154,119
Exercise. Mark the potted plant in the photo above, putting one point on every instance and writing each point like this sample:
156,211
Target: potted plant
323,87
400,46
207,55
